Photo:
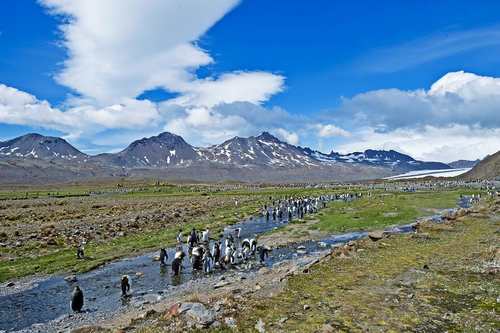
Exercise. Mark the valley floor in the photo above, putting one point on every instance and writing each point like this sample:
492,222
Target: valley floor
443,278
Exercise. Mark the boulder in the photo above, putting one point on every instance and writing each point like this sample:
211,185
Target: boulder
198,313
376,235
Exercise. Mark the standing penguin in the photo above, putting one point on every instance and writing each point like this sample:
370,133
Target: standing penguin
177,263
216,252
263,253
125,284
77,299
163,257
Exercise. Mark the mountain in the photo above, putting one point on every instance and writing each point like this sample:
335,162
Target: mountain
390,159
460,164
40,147
36,158
162,151
488,168
263,150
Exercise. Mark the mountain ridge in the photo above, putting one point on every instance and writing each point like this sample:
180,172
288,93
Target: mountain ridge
167,153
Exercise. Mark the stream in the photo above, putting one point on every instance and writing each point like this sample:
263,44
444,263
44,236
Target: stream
43,306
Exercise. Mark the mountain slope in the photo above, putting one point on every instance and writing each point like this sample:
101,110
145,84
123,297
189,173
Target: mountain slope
35,158
262,150
41,147
488,168
161,151
463,164
390,159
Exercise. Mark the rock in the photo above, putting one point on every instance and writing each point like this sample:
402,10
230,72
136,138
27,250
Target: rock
11,284
327,328
70,278
306,307
89,329
198,313
51,241
376,235
221,284
263,270
147,314
260,326
156,258
282,320
139,274
258,287
230,322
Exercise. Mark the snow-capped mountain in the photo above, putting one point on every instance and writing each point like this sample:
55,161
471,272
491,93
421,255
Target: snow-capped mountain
263,150
387,158
161,151
263,157
463,164
37,146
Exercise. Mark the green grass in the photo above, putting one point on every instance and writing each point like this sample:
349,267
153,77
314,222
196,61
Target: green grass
382,210
365,292
62,259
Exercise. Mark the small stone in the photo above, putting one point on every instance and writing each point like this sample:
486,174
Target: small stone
147,314
260,326
327,328
221,284
11,284
70,278
306,307
230,322
139,274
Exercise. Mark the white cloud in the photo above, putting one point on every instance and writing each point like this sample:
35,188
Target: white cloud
20,108
456,98
290,137
118,49
330,130
430,143
253,87
458,117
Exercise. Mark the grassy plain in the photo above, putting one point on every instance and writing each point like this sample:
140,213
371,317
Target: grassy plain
40,228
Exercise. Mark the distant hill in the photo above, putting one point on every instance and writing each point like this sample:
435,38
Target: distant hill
488,168
40,147
460,164
37,158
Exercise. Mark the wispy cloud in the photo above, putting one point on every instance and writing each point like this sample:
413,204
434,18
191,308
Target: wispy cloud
427,49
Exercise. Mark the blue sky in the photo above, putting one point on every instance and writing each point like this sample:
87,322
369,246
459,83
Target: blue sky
328,74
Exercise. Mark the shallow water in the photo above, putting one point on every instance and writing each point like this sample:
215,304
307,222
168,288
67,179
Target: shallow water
48,299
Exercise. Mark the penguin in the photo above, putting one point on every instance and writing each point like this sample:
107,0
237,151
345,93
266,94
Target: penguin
125,285
77,299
